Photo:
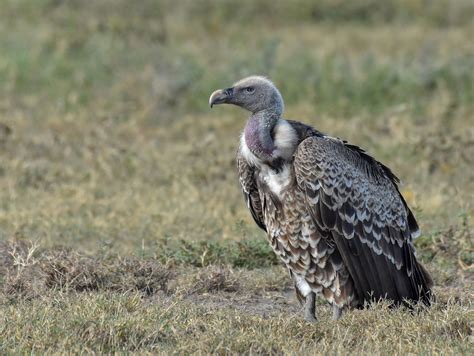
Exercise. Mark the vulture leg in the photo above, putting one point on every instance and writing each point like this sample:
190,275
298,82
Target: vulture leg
310,307
336,312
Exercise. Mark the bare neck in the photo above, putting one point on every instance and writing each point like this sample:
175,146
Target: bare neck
258,134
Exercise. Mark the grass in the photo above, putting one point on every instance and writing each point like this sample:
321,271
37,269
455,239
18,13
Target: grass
122,227
136,304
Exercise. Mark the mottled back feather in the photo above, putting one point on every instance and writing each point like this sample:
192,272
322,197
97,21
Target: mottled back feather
356,198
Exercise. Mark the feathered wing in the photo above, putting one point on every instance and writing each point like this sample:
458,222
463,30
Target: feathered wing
356,199
250,190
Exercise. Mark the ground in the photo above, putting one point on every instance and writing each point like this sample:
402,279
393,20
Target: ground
122,227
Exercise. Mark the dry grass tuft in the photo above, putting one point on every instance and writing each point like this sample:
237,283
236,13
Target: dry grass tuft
215,279
148,277
69,271
18,266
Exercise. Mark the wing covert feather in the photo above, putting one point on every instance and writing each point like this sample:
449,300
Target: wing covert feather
356,198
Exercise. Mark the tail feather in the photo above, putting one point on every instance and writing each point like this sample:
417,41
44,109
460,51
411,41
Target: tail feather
426,284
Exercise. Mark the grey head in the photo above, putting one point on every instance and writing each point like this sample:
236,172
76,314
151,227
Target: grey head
255,94
259,96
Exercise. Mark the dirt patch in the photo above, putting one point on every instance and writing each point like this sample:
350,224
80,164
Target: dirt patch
266,305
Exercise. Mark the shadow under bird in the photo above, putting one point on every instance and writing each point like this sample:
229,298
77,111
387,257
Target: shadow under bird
332,213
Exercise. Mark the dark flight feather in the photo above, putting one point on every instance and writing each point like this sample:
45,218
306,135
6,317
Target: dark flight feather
377,250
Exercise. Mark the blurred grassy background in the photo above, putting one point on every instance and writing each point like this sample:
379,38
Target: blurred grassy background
107,137
108,148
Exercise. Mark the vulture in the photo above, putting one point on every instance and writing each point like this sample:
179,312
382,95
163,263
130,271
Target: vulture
333,214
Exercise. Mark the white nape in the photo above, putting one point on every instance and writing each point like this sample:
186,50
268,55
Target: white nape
285,139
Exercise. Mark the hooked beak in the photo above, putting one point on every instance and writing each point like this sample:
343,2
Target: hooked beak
221,96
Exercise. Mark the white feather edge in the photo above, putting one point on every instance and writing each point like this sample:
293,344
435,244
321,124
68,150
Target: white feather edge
302,285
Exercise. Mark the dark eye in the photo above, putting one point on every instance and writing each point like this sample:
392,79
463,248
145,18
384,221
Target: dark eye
249,90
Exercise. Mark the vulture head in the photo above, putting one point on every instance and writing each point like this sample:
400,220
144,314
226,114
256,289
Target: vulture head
255,94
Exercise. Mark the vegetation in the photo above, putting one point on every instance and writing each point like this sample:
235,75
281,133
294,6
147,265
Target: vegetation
122,227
